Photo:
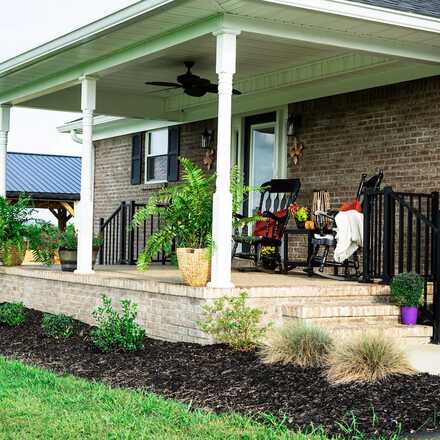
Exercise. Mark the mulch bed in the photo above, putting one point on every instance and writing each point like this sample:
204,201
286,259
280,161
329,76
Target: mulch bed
213,377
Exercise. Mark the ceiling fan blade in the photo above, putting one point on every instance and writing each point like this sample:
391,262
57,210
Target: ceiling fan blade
163,84
213,88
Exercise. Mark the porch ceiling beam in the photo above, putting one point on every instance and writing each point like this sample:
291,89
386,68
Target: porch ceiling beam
149,47
366,12
109,102
313,34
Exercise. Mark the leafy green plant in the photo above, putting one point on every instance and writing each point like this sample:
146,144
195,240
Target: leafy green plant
230,321
13,218
407,289
43,241
367,358
57,326
298,343
117,331
68,239
12,314
185,212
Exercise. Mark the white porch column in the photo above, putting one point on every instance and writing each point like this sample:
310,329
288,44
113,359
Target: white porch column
85,214
5,114
222,207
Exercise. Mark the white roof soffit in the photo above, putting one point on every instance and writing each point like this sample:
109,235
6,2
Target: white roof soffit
83,34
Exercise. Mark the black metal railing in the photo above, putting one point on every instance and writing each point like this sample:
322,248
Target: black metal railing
123,242
402,234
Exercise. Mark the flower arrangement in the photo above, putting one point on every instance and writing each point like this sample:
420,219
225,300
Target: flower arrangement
300,213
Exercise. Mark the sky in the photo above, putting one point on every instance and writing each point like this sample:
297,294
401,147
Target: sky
25,24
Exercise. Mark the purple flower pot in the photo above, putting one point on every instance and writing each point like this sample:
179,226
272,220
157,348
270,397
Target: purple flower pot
409,315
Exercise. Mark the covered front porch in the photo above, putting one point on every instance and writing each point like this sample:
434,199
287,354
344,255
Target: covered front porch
275,53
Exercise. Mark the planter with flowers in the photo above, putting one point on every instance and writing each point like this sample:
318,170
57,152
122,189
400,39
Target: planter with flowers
301,214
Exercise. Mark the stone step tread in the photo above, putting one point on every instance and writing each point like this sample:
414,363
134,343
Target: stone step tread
335,310
397,330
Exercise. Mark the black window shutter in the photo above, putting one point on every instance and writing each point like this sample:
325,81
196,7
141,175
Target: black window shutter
136,159
173,154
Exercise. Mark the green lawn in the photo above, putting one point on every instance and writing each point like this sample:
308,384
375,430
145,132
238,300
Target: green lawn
36,404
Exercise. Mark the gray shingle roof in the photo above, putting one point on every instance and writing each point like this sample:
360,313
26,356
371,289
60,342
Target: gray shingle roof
422,7
43,175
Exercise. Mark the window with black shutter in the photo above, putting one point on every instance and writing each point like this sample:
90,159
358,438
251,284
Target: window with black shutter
136,159
173,154
162,148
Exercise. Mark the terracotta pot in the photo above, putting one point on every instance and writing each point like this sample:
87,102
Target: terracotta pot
12,256
69,258
194,265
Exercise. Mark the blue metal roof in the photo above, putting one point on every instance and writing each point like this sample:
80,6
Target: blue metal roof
41,175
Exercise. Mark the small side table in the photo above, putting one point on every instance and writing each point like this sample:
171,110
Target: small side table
292,264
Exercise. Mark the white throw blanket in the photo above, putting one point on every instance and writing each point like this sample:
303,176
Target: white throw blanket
350,234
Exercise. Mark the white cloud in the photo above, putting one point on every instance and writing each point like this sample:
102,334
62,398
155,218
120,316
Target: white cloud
25,24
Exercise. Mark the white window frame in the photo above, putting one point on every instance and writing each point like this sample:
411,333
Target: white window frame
147,155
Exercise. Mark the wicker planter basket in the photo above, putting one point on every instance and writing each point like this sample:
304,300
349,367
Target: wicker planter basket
195,266
12,256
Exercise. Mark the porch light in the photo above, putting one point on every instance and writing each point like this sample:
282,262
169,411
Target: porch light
294,124
207,139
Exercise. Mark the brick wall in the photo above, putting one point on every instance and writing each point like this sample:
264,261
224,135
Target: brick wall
113,168
396,128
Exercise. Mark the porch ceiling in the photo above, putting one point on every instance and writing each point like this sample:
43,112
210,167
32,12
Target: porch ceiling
281,45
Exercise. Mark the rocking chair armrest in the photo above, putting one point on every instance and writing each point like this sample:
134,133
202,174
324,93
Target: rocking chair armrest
274,217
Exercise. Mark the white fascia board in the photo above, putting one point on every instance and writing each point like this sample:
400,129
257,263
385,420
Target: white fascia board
105,127
367,12
82,34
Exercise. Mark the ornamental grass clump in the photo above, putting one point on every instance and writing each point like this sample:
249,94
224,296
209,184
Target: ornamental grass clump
117,330
12,314
368,358
297,343
57,326
230,321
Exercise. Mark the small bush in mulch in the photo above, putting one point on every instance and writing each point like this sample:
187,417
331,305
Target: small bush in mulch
298,343
222,380
12,314
230,321
117,331
368,358
57,326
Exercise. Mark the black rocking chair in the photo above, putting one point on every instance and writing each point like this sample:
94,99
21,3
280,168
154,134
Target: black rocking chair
325,239
274,205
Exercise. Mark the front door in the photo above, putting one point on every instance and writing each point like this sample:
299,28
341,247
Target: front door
260,145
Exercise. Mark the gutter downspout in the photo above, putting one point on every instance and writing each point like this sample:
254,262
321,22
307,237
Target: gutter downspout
75,137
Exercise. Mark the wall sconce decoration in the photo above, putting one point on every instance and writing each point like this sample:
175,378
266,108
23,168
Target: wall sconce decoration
207,139
209,159
296,150
294,124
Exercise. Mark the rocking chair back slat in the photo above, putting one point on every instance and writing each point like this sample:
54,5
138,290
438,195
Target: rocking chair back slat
276,202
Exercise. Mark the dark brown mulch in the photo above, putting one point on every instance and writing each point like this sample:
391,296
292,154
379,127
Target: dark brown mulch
215,378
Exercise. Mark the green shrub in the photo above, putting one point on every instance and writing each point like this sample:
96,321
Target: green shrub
57,326
228,320
407,289
117,331
368,358
298,343
12,314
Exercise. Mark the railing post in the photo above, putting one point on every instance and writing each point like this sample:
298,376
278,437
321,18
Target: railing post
366,254
123,235
435,267
101,251
131,212
388,248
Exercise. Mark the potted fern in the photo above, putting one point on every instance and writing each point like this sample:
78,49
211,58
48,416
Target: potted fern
13,219
185,213
407,290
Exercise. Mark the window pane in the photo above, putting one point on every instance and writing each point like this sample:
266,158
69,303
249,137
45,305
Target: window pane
158,142
157,167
